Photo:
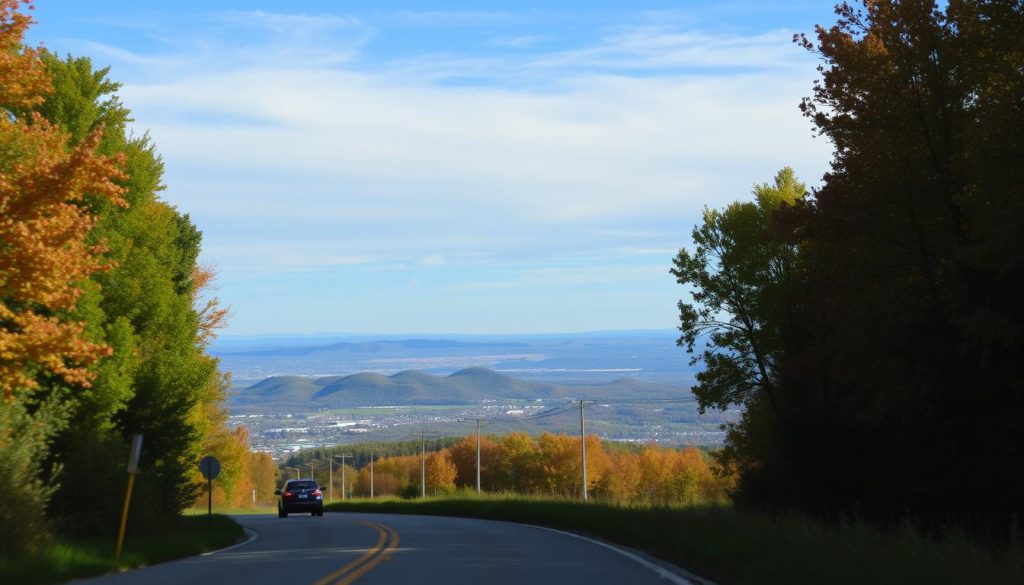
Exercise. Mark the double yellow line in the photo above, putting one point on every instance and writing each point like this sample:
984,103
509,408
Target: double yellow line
387,541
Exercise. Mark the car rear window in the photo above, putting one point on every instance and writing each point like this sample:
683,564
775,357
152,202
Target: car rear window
301,485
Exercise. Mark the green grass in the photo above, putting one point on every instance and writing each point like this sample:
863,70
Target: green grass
733,546
268,509
68,559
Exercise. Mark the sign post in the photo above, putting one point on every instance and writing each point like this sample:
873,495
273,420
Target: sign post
133,470
210,468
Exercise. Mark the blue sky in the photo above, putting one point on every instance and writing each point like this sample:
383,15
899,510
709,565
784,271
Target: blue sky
485,167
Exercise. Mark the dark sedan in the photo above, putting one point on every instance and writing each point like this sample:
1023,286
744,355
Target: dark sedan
300,495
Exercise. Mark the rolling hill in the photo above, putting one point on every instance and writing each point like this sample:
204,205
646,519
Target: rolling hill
412,387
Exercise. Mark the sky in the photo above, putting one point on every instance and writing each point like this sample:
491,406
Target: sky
453,167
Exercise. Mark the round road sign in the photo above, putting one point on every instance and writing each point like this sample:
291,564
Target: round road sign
210,467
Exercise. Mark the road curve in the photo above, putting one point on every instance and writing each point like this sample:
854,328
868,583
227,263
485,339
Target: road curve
342,548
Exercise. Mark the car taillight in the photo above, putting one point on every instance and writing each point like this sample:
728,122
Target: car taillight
317,493
288,494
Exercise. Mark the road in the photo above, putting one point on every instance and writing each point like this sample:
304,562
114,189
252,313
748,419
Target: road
342,548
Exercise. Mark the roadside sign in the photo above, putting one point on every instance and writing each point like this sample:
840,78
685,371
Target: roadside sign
210,467
133,458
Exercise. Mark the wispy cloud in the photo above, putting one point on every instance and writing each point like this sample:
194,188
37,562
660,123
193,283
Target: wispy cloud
445,19
657,48
518,42
298,150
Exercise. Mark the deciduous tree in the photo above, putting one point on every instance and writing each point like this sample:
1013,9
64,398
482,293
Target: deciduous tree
737,273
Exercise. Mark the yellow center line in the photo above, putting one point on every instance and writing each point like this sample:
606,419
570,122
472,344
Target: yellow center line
382,536
392,545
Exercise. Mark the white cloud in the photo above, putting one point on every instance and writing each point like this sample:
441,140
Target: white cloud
652,47
518,42
445,19
540,154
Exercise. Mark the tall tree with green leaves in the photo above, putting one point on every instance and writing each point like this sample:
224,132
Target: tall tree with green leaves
737,274
900,386
46,252
158,381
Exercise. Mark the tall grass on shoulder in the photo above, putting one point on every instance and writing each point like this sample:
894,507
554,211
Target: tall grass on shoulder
731,545
232,511
68,559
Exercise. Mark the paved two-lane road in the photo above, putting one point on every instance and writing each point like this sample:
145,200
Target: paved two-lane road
339,549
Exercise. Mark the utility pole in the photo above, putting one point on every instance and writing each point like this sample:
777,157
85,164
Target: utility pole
312,471
583,449
343,484
477,456
330,480
423,465
371,473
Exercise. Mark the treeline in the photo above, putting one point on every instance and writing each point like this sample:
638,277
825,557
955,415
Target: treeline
873,330
547,465
103,320
247,478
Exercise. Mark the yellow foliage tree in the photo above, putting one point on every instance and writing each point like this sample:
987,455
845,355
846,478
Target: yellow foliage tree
561,461
441,473
520,468
263,476
622,482
463,455
43,224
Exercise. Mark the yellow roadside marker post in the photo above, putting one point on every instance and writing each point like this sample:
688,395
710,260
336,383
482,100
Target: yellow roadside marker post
133,470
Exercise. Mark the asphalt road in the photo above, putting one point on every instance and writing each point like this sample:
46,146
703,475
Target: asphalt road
341,548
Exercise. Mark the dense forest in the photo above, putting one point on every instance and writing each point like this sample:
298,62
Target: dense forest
872,328
103,320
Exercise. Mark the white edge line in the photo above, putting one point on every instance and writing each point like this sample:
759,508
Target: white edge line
686,579
253,535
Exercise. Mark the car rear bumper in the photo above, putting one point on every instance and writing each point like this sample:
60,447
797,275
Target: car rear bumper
303,506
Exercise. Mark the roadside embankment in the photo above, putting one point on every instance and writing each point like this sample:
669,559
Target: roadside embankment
67,559
733,546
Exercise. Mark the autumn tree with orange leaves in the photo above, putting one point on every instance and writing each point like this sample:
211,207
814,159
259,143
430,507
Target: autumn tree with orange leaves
105,314
43,225
44,255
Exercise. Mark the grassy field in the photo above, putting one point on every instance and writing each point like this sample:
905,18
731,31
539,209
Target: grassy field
271,509
68,559
735,547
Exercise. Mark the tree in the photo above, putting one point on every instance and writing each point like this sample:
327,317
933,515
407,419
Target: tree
463,456
212,317
561,463
624,479
738,272
904,350
263,475
441,473
43,225
519,465
45,255
157,379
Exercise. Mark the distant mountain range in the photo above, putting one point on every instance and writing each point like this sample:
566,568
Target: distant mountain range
570,359
412,387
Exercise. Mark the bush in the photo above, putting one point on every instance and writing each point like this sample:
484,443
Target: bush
25,482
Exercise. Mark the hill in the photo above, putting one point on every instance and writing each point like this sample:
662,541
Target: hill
412,387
